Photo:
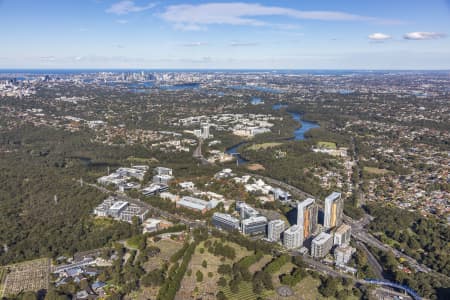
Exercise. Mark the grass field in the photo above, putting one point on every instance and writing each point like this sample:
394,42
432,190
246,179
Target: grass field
2,281
207,288
263,146
328,145
168,248
245,292
375,171
141,160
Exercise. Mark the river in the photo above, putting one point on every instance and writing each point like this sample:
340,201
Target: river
299,133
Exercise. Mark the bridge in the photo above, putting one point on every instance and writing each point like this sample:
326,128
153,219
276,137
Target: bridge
406,289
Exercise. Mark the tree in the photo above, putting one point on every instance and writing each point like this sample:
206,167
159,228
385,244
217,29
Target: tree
221,296
199,276
204,264
328,287
222,282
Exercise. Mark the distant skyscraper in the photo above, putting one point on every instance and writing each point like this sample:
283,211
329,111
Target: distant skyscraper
307,217
293,237
334,207
274,230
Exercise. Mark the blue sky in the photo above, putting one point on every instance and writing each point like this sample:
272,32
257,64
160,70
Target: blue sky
295,34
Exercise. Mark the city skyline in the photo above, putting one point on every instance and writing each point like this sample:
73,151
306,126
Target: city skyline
103,34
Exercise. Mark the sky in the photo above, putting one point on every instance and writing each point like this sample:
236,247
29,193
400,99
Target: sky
188,34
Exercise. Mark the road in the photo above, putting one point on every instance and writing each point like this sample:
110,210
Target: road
373,262
198,153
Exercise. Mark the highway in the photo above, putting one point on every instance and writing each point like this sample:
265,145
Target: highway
198,153
373,262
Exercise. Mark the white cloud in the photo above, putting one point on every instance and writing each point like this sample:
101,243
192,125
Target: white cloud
243,44
127,6
379,37
421,35
187,16
122,21
194,44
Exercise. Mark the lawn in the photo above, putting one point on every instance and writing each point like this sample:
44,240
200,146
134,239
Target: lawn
207,288
245,292
168,248
263,146
376,171
328,145
2,279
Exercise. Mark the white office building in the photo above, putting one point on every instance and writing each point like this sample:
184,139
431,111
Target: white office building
254,225
321,245
343,254
225,221
293,237
274,230
342,235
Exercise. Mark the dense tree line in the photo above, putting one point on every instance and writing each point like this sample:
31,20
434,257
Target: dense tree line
425,239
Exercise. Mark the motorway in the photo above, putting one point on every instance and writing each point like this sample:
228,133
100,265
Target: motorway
198,153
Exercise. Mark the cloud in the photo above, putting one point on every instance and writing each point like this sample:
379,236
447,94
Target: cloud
194,44
47,58
122,21
196,17
379,37
243,44
421,35
125,7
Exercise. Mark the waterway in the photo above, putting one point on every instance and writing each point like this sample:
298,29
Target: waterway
299,133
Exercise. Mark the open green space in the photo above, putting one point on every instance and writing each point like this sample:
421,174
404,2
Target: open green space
375,171
263,146
328,145
245,292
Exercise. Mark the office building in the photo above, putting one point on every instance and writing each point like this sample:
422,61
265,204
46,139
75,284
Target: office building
196,204
293,237
274,230
245,210
334,208
279,194
162,171
254,225
343,254
120,210
205,131
307,217
154,189
152,225
321,245
225,221
342,235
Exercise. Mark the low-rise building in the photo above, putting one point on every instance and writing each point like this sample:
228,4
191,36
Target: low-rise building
152,225
196,204
225,221
343,254
154,189
254,225
120,210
